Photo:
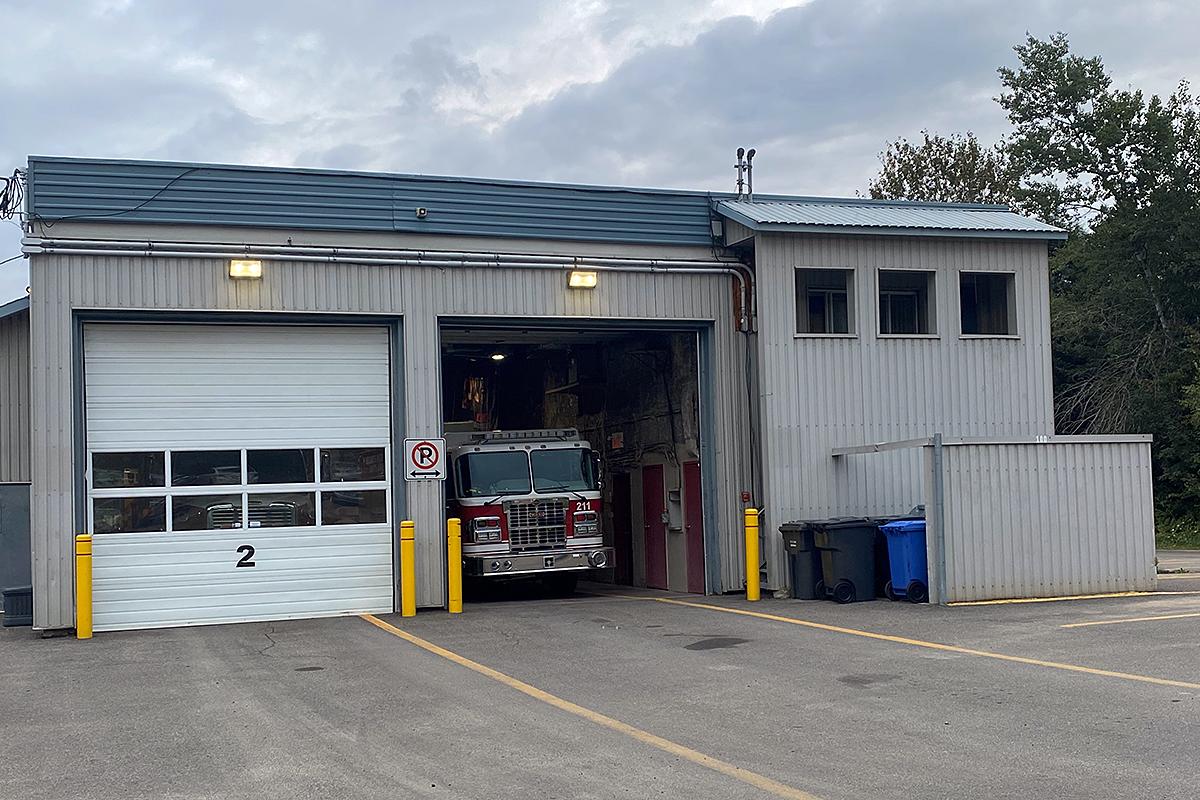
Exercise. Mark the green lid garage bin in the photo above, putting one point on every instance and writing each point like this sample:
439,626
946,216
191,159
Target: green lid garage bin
804,560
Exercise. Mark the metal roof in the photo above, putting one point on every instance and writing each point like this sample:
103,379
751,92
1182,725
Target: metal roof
120,191
898,218
14,307
284,197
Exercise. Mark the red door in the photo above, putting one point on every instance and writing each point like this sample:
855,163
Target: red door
693,526
653,510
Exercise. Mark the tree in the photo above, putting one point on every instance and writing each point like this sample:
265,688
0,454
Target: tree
1122,173
955,169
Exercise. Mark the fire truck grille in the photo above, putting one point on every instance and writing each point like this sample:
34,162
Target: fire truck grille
269,515
225,515
273,515
536,523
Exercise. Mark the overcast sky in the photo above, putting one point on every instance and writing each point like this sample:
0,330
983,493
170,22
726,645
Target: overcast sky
639,92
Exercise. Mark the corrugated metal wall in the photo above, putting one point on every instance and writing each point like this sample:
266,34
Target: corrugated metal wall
421,295
14,398
820,393
1044,520
736,232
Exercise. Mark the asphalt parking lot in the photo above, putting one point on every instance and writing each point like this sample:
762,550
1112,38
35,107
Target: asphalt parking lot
622,694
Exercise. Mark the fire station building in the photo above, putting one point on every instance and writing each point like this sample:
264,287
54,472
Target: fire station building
217,368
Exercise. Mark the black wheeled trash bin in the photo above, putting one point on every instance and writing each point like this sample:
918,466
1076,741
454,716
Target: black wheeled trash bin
18,606
804,561
847,548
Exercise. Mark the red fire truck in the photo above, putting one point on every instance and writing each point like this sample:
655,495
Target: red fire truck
529,501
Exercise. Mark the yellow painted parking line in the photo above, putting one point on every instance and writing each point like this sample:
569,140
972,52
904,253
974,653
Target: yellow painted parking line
946,648
1018,600
760,782
1155,618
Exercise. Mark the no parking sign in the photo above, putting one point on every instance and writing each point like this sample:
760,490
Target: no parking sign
424,459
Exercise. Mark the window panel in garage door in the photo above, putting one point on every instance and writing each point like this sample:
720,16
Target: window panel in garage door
213,491
234,518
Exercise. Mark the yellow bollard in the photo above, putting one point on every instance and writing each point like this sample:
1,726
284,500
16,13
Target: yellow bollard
83,586
454,565
408,569
752,559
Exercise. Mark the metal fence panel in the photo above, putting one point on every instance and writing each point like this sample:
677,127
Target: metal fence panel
1043,520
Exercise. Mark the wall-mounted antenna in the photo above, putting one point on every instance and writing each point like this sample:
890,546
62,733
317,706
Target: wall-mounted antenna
750,174
741,168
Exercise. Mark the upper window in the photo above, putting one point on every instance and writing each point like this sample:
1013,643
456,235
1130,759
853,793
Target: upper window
906,306
114,470
279,466
824,301
206,467
352,464
988,301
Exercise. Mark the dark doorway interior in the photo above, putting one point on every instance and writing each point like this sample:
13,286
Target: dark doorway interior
634,397
622,522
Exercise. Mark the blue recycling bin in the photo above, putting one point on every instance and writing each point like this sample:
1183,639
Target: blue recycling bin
906,558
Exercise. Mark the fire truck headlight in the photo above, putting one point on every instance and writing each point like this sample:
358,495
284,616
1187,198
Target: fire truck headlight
485,529
587,523
598,559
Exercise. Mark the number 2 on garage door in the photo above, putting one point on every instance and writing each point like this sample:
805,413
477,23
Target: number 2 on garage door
247,559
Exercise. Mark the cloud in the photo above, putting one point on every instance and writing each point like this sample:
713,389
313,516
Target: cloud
651,92
817,89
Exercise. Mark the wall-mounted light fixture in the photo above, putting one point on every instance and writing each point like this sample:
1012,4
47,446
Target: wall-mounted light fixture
245,268
581,279
496,356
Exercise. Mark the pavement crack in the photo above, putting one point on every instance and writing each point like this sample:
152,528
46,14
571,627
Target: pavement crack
263,651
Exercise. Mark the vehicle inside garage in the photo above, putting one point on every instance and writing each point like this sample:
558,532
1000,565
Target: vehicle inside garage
633,396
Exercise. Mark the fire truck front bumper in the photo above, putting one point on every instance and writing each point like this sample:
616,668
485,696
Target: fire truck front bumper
539,562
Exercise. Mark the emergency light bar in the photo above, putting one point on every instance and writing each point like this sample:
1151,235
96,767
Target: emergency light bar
540,434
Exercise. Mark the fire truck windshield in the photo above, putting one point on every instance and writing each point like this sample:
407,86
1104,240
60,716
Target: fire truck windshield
563,470
492,474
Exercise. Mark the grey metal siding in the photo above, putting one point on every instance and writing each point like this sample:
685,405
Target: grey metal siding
62,284
179,193
736,232
820,393
1044,520
14,398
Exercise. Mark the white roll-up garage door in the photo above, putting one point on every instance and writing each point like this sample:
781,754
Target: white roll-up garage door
237,472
